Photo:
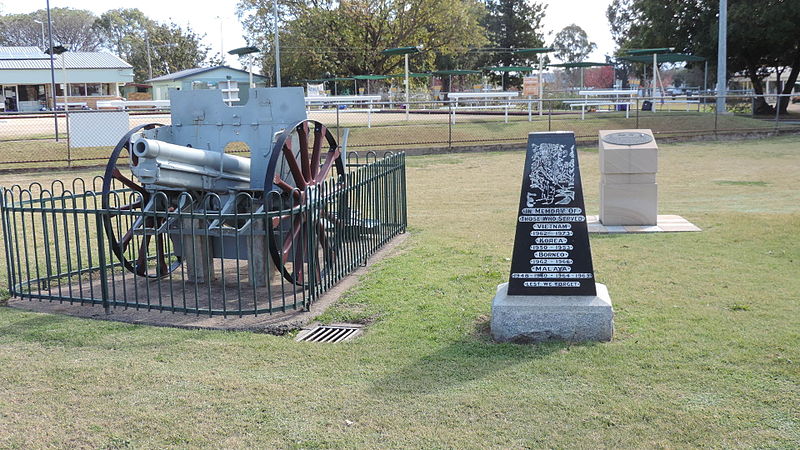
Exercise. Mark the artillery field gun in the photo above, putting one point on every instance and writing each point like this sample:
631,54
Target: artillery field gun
189,200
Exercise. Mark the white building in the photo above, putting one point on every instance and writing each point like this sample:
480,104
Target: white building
25,80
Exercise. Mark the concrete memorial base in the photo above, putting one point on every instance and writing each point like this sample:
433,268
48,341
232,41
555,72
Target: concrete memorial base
573,318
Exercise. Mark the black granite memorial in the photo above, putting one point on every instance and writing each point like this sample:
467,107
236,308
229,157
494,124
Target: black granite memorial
551,246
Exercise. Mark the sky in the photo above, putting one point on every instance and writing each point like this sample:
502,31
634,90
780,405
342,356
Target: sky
221,15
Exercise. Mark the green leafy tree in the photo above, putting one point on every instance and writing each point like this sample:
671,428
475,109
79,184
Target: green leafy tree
72,28
124,29
344,38
172,49
762,35
129,33
512,24
572,44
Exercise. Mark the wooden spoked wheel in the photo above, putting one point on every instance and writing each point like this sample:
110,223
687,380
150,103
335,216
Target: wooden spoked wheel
134,222
305,157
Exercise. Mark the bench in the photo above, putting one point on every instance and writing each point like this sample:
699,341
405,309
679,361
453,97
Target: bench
614,97
344,100
72,105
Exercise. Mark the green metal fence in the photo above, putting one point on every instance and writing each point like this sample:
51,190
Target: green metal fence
62,245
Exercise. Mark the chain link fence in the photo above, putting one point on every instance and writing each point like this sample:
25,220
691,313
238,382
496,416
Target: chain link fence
85,138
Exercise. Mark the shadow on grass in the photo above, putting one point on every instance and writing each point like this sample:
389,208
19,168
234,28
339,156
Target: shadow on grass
53,330
469,359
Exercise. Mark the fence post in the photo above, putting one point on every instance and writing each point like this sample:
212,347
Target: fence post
101,255
338,134
777,111
637,112
449,127
530,105
69,141
716,119
550,115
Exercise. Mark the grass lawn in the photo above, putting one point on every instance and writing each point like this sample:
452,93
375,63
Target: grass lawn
706,352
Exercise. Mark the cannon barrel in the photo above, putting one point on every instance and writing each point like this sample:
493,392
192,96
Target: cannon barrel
165,164
152,148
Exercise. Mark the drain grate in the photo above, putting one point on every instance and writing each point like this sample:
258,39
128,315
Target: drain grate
328,333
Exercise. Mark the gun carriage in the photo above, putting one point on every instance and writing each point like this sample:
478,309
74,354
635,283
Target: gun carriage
190,201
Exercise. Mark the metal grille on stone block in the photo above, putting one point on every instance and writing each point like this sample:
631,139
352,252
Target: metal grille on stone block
328,333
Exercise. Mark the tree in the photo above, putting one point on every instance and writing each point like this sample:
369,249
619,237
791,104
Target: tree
620,17
513,24
72,28
344,38
171,49
572,44
123,29
599,77
128,33
762,35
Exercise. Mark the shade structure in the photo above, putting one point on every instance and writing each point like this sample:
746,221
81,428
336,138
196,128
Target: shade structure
509,69
534,51
572,65
243,51
454,72
411,75
663,58
327,80
663,55
404,51
400,50
650,51
370,77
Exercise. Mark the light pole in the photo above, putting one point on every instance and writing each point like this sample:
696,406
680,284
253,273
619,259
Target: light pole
221,41
42,24
241,51
722,53
52,68
405,51
277,45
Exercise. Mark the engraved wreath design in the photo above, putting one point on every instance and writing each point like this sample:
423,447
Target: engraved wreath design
552,174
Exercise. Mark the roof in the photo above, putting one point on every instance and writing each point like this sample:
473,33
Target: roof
22,53
195,71
32,58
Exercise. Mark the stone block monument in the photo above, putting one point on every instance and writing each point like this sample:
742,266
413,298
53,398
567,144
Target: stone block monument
628,188
551,293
